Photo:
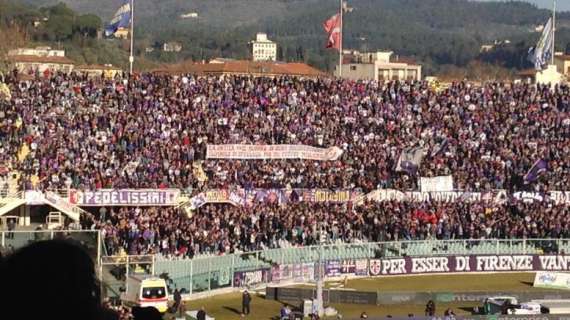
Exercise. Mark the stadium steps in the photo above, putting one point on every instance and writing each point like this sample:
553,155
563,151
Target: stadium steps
61,204
13,182
11,201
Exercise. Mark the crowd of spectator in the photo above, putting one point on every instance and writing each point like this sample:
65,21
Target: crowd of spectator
151,131
148,130
218,229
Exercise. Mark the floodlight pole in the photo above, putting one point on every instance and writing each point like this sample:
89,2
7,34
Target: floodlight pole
131,57
320,278
553,32
340,44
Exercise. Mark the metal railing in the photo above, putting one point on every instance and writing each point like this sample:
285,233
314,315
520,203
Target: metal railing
13,240
75,212
63,193
207,273
5,193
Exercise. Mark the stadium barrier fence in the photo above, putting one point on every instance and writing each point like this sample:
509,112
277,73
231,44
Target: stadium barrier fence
208,275
90,240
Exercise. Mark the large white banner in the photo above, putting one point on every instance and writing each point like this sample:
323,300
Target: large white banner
436,184
553,280
380,195
281,151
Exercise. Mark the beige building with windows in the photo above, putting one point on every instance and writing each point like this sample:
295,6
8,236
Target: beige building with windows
105,71
122,33
40,59
381,65
172,46
263,49
562,62
37,51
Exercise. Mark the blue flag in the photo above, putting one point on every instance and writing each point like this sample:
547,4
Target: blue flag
439,147
541,54
539,167
410,160
121,19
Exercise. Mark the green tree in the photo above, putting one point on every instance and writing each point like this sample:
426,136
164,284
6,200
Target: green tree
87,25
280,56
59,26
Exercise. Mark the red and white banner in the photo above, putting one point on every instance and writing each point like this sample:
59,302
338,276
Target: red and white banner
282,151
124,197
333,27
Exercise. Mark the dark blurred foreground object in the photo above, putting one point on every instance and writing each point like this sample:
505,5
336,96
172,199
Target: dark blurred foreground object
50,280
147,313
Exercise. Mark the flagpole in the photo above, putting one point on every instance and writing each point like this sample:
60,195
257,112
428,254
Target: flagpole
131,57
553,32
340,45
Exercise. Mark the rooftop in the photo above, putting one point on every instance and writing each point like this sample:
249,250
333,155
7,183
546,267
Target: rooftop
564,57
527,73
244,67
97,67
41,59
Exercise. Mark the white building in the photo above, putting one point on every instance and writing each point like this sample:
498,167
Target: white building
562,62
40,59
381,65
172,47
189,15
264,49
548,76
37,51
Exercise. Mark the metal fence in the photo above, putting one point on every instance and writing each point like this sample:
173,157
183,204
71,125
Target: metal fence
114,270
89,239
207,273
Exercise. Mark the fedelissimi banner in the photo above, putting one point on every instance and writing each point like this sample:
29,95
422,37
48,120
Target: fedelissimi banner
124,197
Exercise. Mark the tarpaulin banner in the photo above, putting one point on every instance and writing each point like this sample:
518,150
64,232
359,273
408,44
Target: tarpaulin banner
125,197
347,266
246,279
249,197
283,151
331,196
470,263
552,280
266,196
496,196
436,184
332,268
298,272
361,267
233,197
493,196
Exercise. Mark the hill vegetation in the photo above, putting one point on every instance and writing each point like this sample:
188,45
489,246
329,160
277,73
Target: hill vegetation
441,34
57,26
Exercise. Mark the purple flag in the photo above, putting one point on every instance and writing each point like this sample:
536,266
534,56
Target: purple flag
539,167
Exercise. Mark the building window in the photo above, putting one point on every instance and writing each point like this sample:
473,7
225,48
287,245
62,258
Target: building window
352,68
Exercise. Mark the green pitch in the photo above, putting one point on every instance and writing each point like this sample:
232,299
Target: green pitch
228,307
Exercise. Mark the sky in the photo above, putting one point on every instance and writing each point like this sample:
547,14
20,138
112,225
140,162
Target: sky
561,5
